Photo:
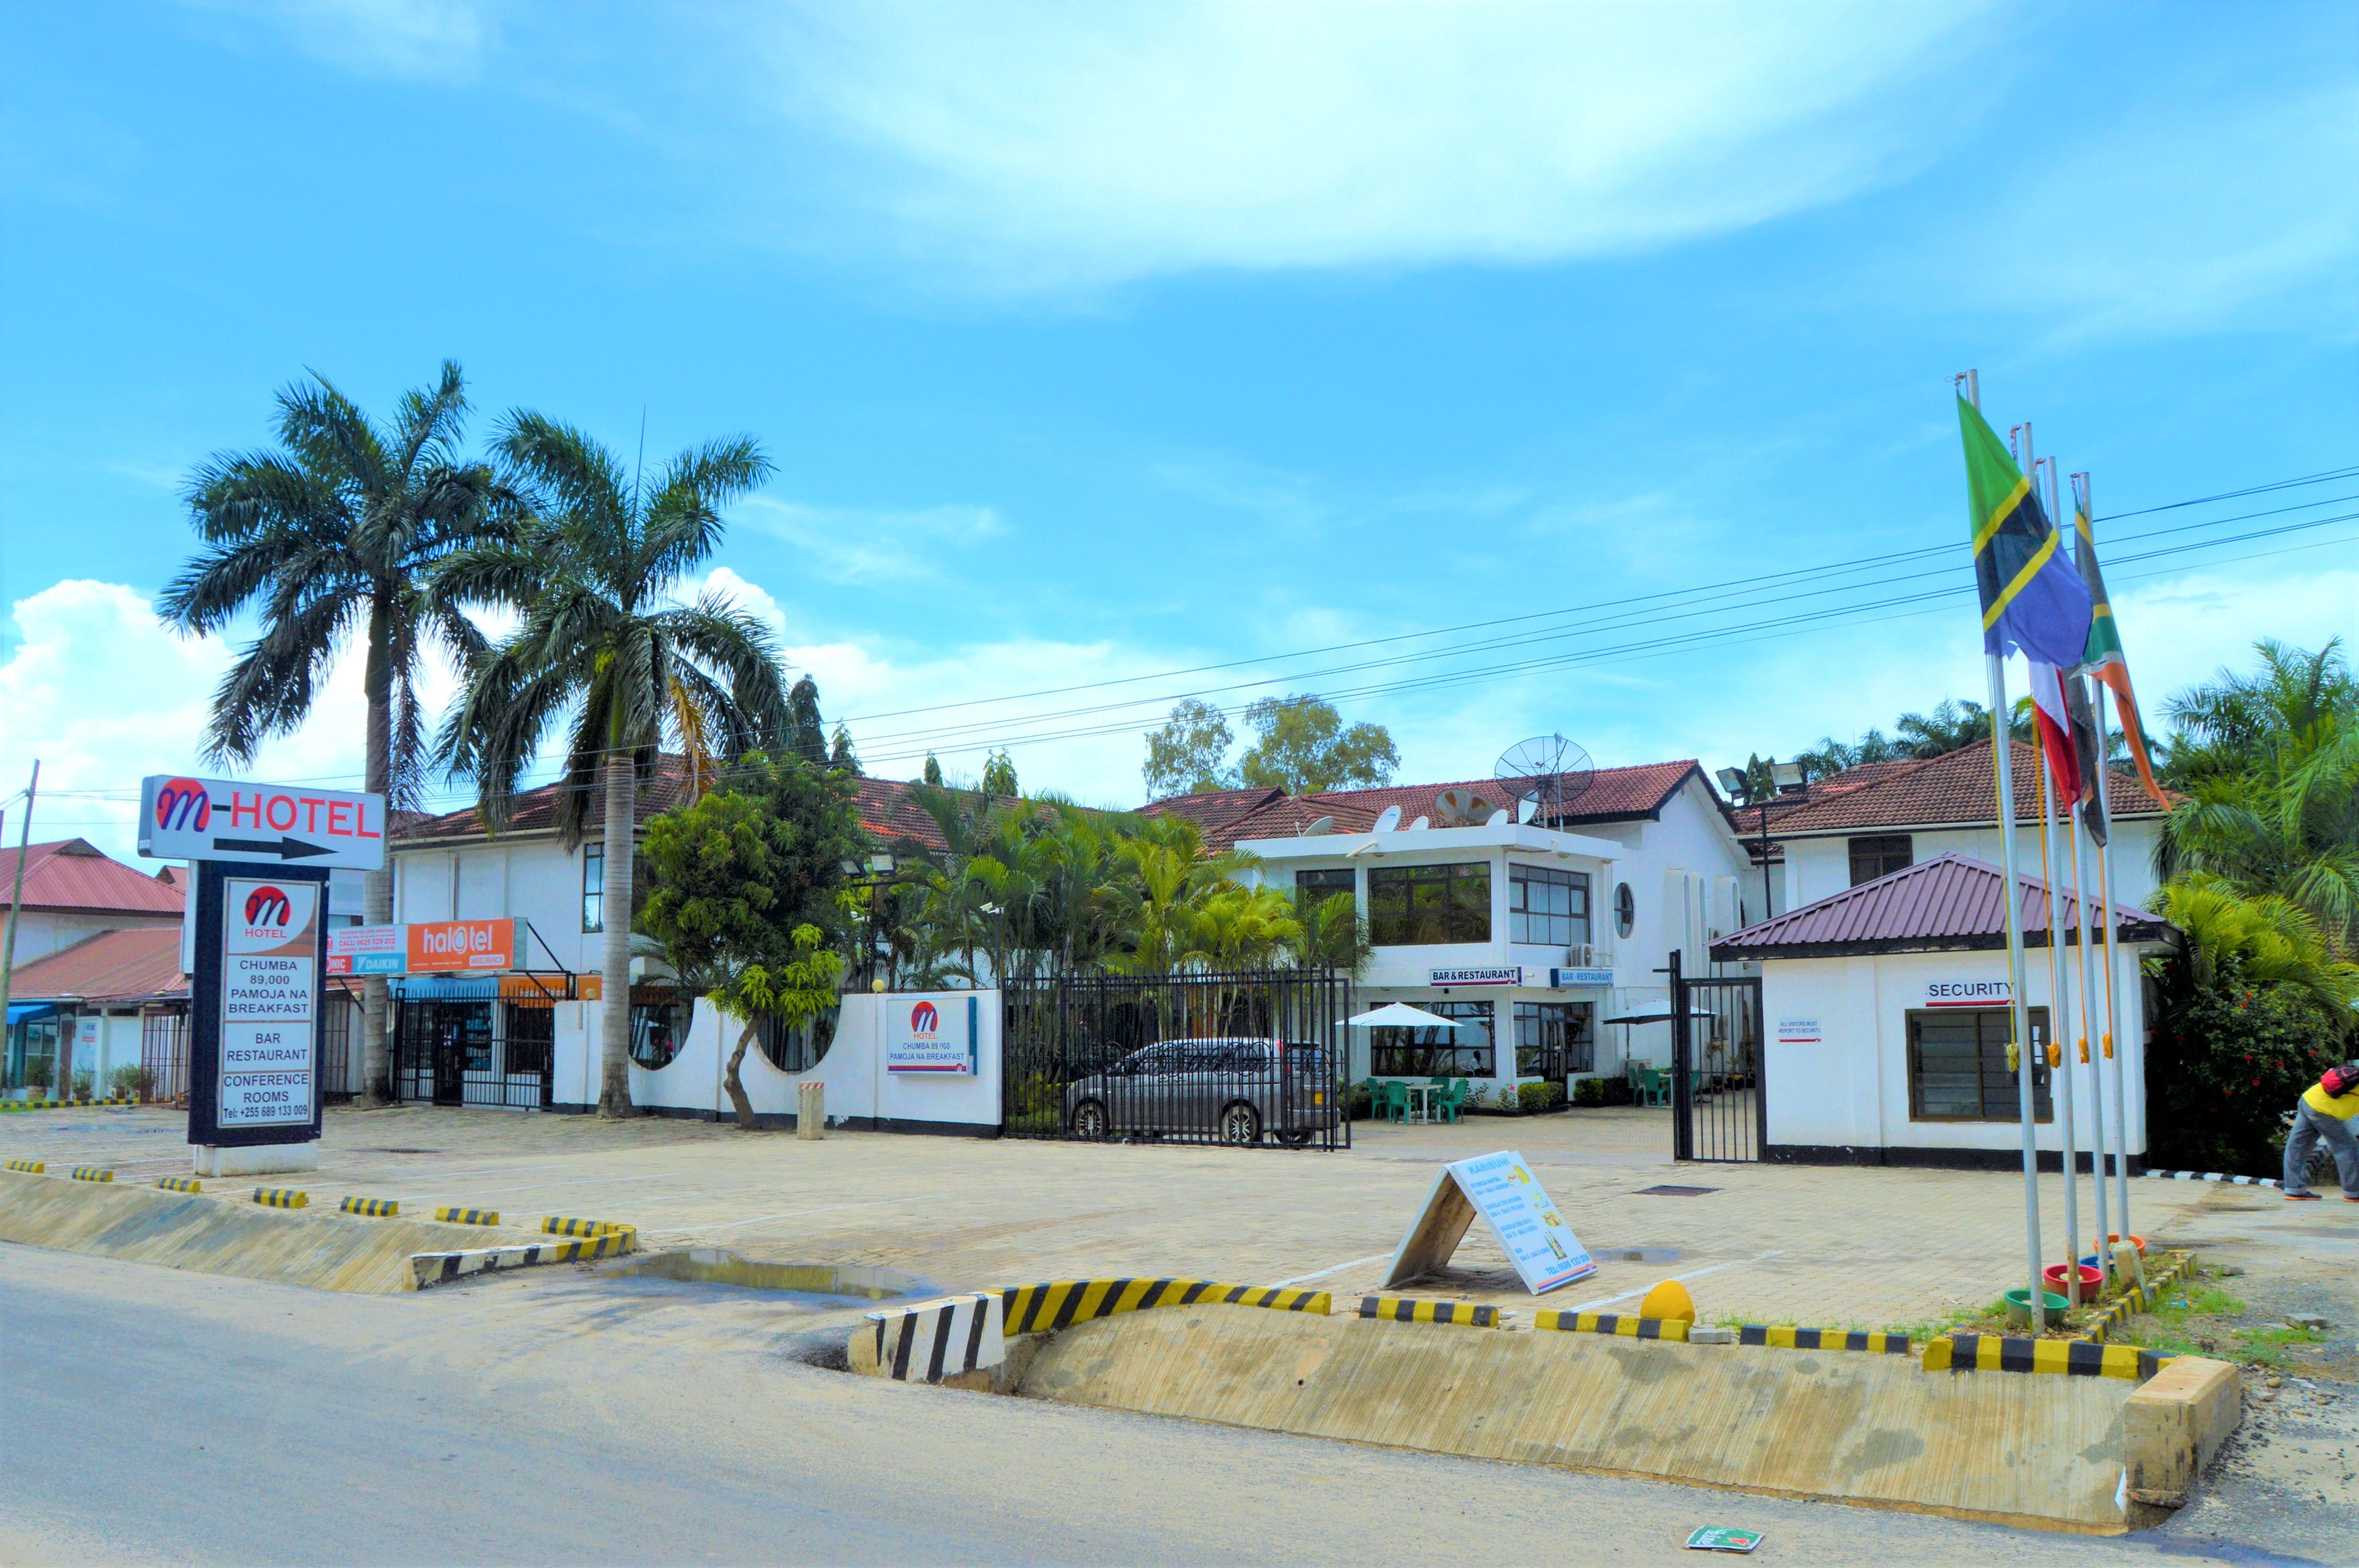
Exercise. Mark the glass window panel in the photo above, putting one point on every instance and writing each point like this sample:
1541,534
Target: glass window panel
1466,1052
1421,905
593,886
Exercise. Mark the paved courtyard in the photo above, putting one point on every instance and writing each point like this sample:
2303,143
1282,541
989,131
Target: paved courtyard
1816,1246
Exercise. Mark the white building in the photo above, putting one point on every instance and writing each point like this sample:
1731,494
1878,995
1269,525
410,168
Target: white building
1887,1011
1529,934
1873,819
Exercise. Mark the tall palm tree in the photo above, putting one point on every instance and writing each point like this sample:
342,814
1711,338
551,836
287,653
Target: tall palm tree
605,651
340,532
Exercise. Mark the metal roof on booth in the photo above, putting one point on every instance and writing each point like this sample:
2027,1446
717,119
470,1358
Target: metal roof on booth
1949,903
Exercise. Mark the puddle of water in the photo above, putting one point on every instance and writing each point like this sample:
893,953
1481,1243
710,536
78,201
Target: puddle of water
715,1265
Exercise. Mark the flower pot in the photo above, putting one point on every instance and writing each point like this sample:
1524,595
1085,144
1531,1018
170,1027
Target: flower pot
2092,1282
2052,1307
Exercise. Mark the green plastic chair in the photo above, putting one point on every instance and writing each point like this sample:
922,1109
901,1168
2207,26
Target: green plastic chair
1396,1100
1452,1099
1653,1086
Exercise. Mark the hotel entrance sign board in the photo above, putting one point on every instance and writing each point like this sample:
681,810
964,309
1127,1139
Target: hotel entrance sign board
254,1049
1503,1190
183,818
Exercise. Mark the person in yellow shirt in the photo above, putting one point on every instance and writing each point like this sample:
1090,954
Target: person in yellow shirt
2324,1117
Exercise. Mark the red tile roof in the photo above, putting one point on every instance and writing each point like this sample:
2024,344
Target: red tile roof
75,874
139,965
1955,788
1949,902
1615,795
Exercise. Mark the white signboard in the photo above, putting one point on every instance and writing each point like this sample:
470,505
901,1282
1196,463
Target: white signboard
269,998
1799,1032
183,818
1507,975
932,1033
1503,1190
1967,993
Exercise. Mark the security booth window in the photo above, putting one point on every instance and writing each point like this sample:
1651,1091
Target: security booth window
1879,857
1430,1052
1415,906
1548,906
1313,889
1957,1066
593,886
1555,1040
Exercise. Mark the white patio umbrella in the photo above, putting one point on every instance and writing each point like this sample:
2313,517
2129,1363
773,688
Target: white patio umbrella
1399,1015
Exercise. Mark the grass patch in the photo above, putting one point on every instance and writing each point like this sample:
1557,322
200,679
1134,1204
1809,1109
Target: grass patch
2194,1318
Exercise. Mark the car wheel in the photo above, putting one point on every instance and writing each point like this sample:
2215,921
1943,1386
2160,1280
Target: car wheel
1240,1123
1089,1120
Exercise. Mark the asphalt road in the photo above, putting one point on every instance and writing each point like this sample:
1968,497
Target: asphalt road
147,1415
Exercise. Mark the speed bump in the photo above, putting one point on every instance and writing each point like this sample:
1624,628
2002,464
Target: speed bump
2067,1357
1627,1325
468,1215
30,1167
1786,1339
282,1197
556,1224
1408,1309
180,1183
1032,1309
92,1173
374,1208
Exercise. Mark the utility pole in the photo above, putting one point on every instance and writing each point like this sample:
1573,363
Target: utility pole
17,902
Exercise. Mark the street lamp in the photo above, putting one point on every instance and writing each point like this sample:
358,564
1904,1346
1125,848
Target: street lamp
1784,778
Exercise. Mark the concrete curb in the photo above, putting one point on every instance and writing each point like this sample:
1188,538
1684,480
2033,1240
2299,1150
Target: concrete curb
92,1173
438,1268
1785,1338
468,1215
2213,1177
556,1224
62,1104
282,1197
2067,1357
28,1167
2130,1303
1408,1309
1619,1324
180,1183
934,1340
371,1208
1032,1309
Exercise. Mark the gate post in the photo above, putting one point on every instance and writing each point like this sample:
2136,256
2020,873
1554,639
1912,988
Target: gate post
1682,1054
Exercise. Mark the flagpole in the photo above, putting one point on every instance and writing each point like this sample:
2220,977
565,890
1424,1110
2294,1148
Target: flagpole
2086,505
2088,1026
2011,902
2060,1022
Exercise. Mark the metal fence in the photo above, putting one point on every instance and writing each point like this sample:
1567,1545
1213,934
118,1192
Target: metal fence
1717,1110
164,1053
1251,1059
475,1052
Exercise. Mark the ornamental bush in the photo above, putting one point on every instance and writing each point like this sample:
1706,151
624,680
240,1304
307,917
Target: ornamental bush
2226,1062
1533,1096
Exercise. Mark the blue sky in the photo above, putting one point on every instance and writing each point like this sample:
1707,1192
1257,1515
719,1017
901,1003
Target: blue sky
1094,342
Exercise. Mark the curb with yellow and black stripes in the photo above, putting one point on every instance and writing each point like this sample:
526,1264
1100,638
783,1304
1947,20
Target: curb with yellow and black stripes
438,1268
2133,1301
1786,1338
1409,1309
1036,1309
2065,1357
1621,1324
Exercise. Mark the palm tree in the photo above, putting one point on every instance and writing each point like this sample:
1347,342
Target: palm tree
341,531
605,650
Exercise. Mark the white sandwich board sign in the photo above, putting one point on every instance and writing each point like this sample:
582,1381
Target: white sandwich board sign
184,818
1503,1190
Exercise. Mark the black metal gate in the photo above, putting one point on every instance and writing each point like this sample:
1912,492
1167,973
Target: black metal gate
475,1052
1718,1111
1251,1059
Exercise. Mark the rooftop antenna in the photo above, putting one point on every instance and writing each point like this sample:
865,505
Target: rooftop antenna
1549,771
1387,820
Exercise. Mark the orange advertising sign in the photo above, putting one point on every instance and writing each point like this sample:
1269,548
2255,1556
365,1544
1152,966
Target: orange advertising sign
443,946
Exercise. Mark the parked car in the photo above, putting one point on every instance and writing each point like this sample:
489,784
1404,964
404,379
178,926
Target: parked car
1236,1090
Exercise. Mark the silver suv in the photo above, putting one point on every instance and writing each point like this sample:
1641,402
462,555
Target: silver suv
1237,1090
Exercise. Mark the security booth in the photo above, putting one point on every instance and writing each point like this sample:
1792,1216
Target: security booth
1888,1012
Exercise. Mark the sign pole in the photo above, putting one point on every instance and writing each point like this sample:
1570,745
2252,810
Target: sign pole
2003,780
16,903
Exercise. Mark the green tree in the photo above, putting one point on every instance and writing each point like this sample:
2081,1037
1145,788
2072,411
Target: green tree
1189,754
1304,749
1952,725
604,652
335,537
933,775
999,774
806,732
2231,725
736,880
840,756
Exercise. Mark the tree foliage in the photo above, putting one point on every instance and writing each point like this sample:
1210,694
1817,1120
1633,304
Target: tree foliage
999,774
1189,755
1304,748
1952,726
839,755
806,731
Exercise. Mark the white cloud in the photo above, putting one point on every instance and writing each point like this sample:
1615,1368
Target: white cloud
428,39
850,544
1048,144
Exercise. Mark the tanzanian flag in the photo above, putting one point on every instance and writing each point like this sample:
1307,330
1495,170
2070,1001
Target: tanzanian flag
2103,656
2031,597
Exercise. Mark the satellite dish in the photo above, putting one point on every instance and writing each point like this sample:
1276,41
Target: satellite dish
1524,807
1387,819
1549,771
1320,827
1460,808
1495,818
1420,825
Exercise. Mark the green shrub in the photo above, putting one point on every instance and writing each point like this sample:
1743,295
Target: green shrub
1533,1096
1555,1093
1589,1091
1359,1103
1614,1090
1507,1103
124,1083
2228,1060
85,1081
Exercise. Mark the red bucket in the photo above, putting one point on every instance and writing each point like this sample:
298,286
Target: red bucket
2090,1281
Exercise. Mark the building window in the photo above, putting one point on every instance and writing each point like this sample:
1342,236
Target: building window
1465,1051
1416,907
1626,910
1312,888
1874,857
593,886
1555,1039
1957,1066
1548,906
797,1047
